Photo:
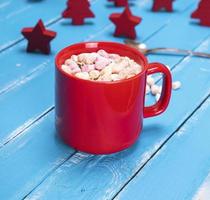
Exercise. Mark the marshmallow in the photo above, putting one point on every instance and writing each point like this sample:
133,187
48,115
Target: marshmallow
103,53
83,75
157,97
101,62
176,85
150,80
115,77
66,68
155,89
94,74
87,68
106,70
101,66
148,90
74,58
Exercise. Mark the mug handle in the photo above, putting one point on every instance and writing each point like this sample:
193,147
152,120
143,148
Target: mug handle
163,102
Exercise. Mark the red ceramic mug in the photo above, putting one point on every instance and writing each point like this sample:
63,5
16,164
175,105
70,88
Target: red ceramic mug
105,117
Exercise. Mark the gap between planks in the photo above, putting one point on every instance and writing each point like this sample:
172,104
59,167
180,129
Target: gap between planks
47,175
28,125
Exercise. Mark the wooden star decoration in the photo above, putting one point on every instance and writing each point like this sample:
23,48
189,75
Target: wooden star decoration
162,4
78,11
125,23
38,38
202,13
120,3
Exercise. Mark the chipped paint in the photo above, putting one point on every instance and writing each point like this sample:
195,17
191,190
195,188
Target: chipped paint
78,157
18,12
147,155
104,29
203,192
21,129
14,133
5,4
193,119
24,79
205,70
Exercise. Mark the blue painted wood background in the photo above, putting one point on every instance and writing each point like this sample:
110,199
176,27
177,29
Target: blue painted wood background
170,160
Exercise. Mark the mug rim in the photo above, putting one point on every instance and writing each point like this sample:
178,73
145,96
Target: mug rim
124,46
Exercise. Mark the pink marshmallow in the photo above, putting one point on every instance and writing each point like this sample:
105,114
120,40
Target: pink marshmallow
75,70
101,62
88,68
114,56
71,64
103,53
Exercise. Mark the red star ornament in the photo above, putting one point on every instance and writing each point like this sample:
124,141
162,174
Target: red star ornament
120,3
38,38
163,4
202,13
125,23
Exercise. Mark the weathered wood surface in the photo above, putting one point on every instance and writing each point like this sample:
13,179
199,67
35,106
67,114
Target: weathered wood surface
35,164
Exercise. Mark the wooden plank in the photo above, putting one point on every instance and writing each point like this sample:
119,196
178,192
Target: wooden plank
30,158
40,68
180,167
30,63
23,105
14,16
101,177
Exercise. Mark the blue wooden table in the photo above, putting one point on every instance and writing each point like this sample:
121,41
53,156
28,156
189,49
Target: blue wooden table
170,160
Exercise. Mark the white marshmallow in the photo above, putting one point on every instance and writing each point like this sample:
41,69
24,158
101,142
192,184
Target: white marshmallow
157,97
66,68
106,70
150,80
82,57
176,85
143,46
115,77
155,89
83,75
94,74
148,90
74,58
116,68
130,75
106,77
123,74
